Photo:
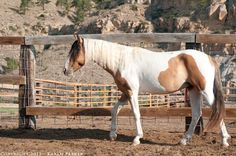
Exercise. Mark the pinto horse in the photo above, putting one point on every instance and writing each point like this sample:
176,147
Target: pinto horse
137,70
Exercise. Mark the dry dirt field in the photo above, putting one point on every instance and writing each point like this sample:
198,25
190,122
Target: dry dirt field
90,136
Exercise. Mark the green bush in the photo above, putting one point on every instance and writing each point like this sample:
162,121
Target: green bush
24,5
12,64
82,6
66,4
42,3
134,7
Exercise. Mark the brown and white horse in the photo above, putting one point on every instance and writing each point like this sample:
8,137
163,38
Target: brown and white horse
138,70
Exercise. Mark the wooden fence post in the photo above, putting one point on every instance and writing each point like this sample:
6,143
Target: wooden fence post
75,95
199,127
78,96
27,91
110,95
39,92
167,100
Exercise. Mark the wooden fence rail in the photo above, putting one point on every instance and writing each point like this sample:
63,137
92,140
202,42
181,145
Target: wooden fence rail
123,37
59,93
126,111
12,79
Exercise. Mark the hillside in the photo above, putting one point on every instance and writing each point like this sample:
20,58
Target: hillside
117,16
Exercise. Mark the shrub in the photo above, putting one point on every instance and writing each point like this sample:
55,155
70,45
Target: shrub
66,4
42,3
134,7
12,64
24,5
82,6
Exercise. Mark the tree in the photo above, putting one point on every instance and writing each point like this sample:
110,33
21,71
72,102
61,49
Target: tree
42,2
82,6
24,5
66,4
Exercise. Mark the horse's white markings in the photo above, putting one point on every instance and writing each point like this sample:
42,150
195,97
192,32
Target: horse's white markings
137,70
115,110
225,134
195,100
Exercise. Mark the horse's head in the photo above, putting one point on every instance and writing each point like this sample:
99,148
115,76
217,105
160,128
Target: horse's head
76,57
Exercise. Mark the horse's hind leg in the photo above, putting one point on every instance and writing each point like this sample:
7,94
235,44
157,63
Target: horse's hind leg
115,110
195,101
209,96
224,134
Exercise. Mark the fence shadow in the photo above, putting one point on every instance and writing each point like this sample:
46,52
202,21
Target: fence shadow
69,134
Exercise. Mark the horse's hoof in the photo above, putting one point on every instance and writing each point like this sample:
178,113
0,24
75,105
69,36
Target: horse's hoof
113,136
225,145
136,142
183,141
225,141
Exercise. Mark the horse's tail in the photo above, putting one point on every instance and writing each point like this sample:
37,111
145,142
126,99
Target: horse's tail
218,107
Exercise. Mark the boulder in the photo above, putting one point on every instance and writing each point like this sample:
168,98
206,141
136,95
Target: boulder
223,12
2,71
108,26
231,17
222,9
136,26
139,1
213,9
182,23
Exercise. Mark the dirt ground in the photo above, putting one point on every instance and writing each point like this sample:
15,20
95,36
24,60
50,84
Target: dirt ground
90,136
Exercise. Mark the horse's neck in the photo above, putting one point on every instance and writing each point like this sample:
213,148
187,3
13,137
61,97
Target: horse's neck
100,52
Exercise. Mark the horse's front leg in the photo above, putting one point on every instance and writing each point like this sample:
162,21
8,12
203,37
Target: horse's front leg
136,111
115,110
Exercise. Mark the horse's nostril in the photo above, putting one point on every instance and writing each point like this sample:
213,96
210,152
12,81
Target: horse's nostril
65,73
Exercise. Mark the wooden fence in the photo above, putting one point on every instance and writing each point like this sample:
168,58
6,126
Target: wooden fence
31,90
56,93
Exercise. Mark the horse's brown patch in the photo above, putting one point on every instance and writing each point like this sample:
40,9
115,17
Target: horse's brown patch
182,69
121,82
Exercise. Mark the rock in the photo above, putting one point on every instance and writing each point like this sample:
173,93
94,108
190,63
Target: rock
139,1
213,8
222,9
168,4
164,24
231,5
108,26
182,23
116,22
136,26
2,71
223,12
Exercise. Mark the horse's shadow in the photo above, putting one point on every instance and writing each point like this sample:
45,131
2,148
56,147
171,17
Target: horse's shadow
69,134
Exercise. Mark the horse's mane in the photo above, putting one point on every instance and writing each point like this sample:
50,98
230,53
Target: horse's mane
107,54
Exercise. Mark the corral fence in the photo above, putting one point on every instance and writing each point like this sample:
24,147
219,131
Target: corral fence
38,96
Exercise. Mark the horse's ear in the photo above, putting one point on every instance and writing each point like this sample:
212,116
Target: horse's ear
80,39
76,35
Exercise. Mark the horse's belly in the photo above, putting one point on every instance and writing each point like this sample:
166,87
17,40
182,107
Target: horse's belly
151,87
